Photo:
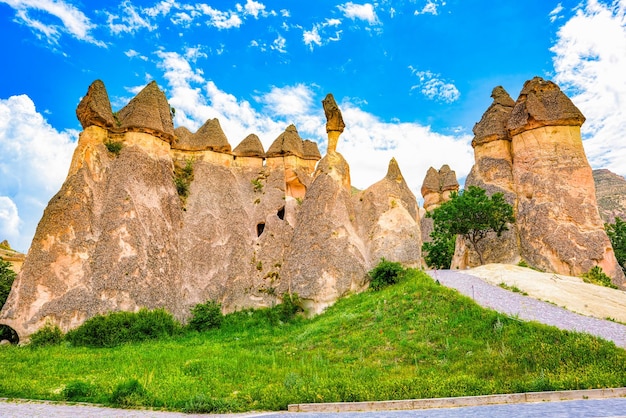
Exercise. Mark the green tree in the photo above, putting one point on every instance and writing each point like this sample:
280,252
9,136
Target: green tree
439,252
473,215
7,275
617,235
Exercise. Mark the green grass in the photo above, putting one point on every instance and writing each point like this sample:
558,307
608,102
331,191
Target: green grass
415,339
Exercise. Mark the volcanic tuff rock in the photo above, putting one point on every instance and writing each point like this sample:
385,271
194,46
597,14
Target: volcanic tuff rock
550,183
492,171
95,107
611,195
14,257
118,236
436,189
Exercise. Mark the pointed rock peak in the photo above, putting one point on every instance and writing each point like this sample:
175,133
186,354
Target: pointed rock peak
311,151
95,107
542,103
210,136
287,143
393,172
501,97
182,133
251,146
492,125
148,110
5,244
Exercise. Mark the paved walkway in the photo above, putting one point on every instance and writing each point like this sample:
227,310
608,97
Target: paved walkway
527,308
570,409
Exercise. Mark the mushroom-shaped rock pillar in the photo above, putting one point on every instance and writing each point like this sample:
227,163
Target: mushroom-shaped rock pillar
334,122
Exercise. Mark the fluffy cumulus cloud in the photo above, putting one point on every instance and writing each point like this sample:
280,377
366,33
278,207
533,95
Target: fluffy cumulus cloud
367,143
364,12
54,18
590,65
434,87
28,145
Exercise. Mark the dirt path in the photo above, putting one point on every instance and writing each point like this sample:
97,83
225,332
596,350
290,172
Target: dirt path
528,308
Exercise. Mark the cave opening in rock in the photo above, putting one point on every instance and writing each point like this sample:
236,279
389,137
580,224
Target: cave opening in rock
281,213
7,333
260,227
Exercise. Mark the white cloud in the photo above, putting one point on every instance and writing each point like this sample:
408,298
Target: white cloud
555,14
34,158
315,37
131,53
220,19
590,64
285,13
73,21
367,142
279,44
162,8
130,20
434,87
431,7
254,8
359,11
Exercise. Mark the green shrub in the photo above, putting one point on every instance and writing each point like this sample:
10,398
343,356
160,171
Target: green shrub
205,316
121,327
385,273
597,276
183,176
114,147
46,336
130,393
617,235
7,276
78,391
289,308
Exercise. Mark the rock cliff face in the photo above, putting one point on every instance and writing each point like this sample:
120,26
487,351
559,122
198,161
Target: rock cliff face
14,257
544,173
611,195
155,217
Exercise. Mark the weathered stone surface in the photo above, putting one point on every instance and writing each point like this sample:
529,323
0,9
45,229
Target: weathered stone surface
330,238
389,220
211,136
251,146
334,122
492,171
311,151
95,107
542,103
492,125
610,194
437,186
148,111
14,257
287,143
118,236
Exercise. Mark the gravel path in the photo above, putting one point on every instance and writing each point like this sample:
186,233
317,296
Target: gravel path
527,308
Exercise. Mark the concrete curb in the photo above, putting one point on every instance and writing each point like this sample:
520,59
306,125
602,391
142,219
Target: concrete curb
512,398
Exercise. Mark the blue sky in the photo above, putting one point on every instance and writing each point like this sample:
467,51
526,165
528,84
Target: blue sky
411,77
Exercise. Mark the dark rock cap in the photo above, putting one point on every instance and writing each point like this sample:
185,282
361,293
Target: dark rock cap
148,110
334,119
95,107
287,143
492,125
311,151
542,103
211,136
251,146
439,181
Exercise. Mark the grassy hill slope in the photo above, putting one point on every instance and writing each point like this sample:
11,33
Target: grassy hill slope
412,340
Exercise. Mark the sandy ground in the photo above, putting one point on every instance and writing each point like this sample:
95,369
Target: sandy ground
564,291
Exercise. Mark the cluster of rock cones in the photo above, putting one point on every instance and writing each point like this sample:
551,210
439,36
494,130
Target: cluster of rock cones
254,225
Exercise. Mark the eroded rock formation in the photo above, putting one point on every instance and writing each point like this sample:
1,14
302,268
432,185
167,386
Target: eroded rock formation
539,163
611,195
152,217
14,257
436,189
